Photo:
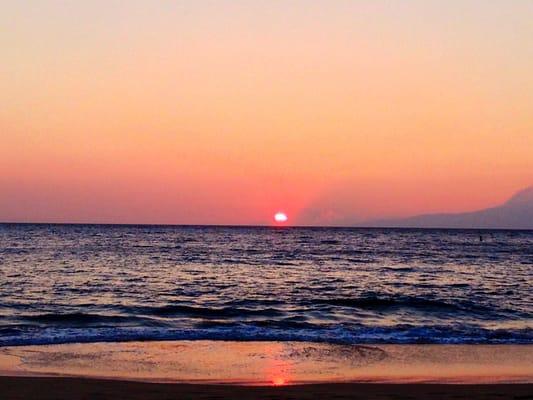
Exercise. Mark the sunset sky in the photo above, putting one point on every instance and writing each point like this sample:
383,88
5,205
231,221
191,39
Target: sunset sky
224,112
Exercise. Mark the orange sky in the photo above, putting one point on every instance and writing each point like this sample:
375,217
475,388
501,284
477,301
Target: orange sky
226,111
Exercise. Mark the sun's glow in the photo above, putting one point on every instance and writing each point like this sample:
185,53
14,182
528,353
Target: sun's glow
279,381
280,217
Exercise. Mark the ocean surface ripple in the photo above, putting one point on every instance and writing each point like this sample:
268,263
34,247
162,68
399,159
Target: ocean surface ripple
86,283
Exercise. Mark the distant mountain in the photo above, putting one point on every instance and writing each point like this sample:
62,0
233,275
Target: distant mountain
515,213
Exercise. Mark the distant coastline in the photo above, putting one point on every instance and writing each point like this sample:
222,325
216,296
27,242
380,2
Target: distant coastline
515,214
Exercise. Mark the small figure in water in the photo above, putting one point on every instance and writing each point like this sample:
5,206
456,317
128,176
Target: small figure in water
480,238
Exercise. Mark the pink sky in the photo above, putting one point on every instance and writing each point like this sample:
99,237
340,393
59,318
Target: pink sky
224,112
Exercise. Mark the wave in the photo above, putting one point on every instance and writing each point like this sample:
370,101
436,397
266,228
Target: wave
208,312
404,334
374,302
80,318
399,269
267,307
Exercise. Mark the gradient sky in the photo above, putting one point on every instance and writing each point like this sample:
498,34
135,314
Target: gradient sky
224,112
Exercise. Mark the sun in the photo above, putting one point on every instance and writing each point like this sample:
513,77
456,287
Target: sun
280,217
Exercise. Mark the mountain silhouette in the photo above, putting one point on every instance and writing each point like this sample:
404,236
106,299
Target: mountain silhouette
515,213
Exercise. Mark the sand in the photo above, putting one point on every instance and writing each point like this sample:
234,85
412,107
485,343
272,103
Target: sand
256,370
76,388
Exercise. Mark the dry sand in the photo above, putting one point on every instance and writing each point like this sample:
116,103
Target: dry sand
12,388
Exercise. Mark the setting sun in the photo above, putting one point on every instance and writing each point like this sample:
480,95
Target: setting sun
280,217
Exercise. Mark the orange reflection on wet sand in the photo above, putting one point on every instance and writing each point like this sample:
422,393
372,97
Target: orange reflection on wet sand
273,363
278,370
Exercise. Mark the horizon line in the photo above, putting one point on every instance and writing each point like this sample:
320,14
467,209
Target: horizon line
118,224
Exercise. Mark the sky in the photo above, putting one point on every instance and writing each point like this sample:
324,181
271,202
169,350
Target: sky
225,112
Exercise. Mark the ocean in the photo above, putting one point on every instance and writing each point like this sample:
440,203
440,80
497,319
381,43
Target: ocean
91,283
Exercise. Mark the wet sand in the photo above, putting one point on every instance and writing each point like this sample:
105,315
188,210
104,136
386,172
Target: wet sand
257,370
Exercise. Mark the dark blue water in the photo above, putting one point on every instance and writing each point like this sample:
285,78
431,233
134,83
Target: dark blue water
77,283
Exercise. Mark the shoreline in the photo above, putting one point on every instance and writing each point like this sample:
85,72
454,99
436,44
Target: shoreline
208,370
272,363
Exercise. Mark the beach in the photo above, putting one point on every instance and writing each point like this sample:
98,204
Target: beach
219,369
75,388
